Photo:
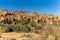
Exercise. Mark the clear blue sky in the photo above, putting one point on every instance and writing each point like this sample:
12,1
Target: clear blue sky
40,6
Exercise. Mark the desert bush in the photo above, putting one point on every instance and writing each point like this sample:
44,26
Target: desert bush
38,28
7,28
16,28
25,28
21,28
36,31
32,23
2,28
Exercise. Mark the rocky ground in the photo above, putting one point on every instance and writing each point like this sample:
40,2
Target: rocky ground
26,36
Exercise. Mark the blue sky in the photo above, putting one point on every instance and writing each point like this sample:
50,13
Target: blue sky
40,6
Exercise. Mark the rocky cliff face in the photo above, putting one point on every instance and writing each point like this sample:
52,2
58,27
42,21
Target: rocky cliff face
16,17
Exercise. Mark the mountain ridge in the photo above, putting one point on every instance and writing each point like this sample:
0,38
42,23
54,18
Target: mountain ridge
16,17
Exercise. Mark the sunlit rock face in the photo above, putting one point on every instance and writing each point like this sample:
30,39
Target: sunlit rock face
3,12
2,15
15,17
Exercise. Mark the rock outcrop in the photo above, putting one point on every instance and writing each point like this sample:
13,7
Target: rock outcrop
16,17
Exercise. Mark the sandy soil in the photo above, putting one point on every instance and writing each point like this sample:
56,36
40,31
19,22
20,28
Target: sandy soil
20,36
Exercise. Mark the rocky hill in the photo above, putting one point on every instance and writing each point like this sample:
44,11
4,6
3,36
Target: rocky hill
26,26
18,16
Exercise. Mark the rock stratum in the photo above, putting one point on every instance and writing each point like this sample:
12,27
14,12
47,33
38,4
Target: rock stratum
16,17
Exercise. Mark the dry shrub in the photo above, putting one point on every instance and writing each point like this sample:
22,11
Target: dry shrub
50,37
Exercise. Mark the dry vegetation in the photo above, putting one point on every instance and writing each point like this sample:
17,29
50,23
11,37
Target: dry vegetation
24,26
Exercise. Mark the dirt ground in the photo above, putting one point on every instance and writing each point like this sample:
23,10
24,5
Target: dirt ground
20,36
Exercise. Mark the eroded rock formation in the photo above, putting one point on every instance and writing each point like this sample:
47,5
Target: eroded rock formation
16,17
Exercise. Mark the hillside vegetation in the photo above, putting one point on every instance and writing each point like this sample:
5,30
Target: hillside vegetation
21,25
